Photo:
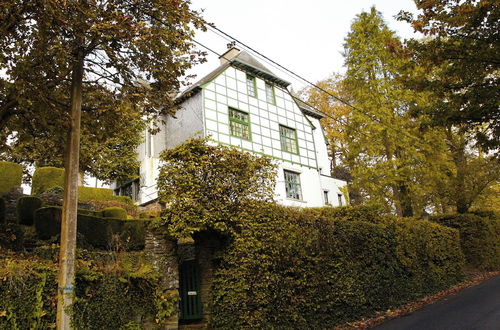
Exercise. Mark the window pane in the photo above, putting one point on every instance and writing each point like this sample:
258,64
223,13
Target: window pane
251,85
288,139
292,185
239,124
270,93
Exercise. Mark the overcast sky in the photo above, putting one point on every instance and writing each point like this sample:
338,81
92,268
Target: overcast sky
304,36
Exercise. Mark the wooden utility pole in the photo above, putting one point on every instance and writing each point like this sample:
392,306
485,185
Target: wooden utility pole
66,276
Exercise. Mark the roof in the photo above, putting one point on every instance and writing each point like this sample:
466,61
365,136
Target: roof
247,63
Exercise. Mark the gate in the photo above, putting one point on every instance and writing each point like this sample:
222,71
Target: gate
189,287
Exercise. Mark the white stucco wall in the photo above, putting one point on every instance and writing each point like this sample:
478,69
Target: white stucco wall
206,113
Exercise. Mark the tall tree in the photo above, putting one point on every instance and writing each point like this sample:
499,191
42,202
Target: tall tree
461,62
382,149
56,52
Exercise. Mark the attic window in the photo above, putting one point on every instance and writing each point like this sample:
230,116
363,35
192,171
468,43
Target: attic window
270,96
251,86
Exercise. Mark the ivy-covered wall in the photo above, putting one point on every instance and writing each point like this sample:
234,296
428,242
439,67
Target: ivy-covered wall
113,291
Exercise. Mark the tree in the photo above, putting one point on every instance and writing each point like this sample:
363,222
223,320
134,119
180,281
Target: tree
210,187
55,53
384,152
461,62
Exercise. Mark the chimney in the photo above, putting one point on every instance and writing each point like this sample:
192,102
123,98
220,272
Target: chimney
231,53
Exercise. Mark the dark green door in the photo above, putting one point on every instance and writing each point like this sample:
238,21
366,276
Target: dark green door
189,274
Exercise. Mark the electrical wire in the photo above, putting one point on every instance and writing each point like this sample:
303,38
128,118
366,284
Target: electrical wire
274,63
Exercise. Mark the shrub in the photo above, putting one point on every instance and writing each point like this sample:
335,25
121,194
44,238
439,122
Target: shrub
11,236
26,207
11,175
479,238
2,210
114,212
46,178
98,232
293,268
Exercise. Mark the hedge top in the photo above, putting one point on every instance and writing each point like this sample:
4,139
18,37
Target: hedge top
11,175
45,178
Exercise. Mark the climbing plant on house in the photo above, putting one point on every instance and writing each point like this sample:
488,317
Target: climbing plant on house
211,186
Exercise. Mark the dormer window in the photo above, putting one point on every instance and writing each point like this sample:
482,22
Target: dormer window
251,86
270,96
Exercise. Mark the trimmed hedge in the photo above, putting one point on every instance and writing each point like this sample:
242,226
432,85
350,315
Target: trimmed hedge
11,175
99,232
2,210
26,207
479,237
293,269
46,178
114,212
101,194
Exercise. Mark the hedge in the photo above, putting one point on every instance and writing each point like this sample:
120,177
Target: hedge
291,268
46,178
101,194
114,212
117,299
11,175
26,207
479,237
99,232
2,210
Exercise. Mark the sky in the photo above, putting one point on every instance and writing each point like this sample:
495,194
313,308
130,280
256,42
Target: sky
304,36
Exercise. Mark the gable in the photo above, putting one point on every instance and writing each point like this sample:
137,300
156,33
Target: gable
229,90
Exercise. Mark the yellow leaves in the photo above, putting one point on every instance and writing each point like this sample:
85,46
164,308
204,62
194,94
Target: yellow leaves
3,313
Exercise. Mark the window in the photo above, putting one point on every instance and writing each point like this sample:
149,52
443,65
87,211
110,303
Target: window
325,195
339,196
239,123
270,97
288,138
251,88
292,185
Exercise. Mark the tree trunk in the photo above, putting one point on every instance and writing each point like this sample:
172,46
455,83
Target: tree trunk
66,276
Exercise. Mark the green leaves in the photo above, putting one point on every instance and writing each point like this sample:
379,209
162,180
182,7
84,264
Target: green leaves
211,187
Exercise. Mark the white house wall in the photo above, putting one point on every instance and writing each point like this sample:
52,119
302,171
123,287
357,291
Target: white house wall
206,114
187,123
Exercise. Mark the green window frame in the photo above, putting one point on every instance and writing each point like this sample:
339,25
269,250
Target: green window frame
292,185
288,137
239,123
251,86
270,94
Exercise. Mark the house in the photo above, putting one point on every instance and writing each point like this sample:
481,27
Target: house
243,104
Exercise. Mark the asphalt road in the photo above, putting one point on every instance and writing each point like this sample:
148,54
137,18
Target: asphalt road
477,307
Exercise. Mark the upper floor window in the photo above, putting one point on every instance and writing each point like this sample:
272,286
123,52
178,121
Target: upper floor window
339,196
251,86
288,138
239,123
270,96
292,185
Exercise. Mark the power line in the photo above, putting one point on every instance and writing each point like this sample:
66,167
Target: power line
372,118
294,74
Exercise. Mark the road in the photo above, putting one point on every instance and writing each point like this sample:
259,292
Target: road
477,307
